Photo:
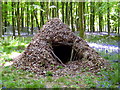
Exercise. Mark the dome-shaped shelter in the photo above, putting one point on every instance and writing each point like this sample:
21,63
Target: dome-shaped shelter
56,45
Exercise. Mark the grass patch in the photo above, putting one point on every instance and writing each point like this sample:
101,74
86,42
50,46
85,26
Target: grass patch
12,78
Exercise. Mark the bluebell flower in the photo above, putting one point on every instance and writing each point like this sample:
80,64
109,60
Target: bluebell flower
98,81
112,53
103,85
106,51
104,47
3,87
110,81
118,86
109,85
98,85
106,77
106,80
115,61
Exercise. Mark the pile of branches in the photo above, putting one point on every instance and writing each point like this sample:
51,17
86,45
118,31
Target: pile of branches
39,56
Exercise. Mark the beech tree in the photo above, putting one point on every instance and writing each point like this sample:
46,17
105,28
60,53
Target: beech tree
81,21
100,17
13,18
18,18
0,19
92,16
108,17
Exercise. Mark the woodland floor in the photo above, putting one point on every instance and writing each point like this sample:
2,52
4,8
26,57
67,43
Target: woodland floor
15,78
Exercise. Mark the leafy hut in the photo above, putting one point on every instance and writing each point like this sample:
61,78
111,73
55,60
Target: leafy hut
56,45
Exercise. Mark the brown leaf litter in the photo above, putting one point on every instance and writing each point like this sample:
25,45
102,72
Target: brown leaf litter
56,45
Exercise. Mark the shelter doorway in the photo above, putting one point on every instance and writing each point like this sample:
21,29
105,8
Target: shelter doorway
63,52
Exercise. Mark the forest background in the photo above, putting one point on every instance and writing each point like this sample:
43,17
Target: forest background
25,18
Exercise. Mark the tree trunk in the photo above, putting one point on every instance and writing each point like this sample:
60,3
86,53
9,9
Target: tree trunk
18,19
119,18
32,18
13,18
84,25
50,12
0,19
53,10
92,16
88,17
35,14
71,15
108,17
22,17
77,19
5,18
47,10
66,19
63,11
100,18
28,17
57,9
81,22
41,14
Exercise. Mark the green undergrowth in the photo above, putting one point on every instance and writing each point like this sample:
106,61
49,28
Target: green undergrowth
9,46
15,78
103,39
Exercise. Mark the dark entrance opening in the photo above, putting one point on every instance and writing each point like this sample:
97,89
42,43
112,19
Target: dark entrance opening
63,52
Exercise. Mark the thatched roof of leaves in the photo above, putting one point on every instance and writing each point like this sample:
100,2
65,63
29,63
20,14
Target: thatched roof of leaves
56,46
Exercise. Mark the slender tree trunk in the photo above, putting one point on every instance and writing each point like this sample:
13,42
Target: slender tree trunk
28,18
77,18
57,9
66,19
32,23
88,23
18,19
119,18
5,18
63,11
35,14
71,15
108,17
81,21
105,28
15,15
0,19
100,18
50,10
13,18
22,17
32,17
41,14
69,21
92,16
84,22
53,10
47,10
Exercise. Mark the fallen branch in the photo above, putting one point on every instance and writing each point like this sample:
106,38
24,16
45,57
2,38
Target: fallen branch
71,55
57,58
